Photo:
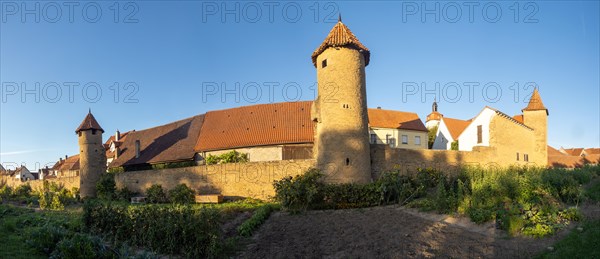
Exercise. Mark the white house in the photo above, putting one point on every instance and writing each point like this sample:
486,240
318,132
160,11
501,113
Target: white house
23,174
397,129
449,130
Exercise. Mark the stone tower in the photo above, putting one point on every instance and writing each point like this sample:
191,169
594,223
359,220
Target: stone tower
535,115
342,147
92,157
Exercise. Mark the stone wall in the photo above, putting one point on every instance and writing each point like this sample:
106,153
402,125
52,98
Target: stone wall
253,179
67,182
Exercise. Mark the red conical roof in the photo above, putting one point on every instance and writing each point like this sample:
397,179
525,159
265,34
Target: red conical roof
89,123
340,36
535,103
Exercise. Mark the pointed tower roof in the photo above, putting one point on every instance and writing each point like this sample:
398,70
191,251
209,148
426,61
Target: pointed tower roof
535,103
340,36
89,123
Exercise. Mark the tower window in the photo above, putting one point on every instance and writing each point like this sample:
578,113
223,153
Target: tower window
526,157
324,63
347,161
517,156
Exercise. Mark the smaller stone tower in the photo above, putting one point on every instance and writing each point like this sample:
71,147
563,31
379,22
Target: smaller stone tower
342,148
92,157
434,118
535,115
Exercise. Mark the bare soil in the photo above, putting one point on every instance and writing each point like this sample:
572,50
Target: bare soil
390,232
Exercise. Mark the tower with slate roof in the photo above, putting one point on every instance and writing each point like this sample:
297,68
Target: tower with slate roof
342,148
92,155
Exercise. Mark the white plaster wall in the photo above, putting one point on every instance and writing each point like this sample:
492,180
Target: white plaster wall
443,139
468,138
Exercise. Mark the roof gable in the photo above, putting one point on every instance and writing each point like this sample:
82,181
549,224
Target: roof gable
340,36
455,126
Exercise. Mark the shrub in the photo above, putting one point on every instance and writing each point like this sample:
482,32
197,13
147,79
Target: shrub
81,246
53,196
22,191
106,187
229,157
45,238
182,194
296,193
173,229
124,194
156,194
454,145
5,192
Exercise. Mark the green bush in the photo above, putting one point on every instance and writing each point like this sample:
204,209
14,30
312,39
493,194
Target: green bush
81,246
257,219
156,194
171,229
454,145
182,194
45,238
53,196
22,192
106,187
124,194
5,193
295,194
229,157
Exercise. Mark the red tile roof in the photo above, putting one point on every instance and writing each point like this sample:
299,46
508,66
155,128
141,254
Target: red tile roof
573,151
592,151
340,36
167,143
572,161
456,126
554,152
89,123
256,125
535,103
395,120
69,164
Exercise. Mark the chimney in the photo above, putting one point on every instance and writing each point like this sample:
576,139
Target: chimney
60,159
117,135
378,107
66,157
137,149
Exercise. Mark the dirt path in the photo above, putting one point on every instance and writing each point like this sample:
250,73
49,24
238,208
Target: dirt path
386,232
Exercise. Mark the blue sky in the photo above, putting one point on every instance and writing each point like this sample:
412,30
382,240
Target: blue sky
165,58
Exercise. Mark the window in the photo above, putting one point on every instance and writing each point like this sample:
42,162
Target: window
526,157
517,156
479,136
417,140
373,138
404,139
387,138
137,149
347,161
324,63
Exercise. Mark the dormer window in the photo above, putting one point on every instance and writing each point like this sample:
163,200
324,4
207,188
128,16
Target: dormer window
324,63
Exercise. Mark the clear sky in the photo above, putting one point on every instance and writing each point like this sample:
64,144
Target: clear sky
155,62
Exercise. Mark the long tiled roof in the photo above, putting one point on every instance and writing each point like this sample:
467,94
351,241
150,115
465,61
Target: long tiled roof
535,103
256,125
167,143
89,123
340,36
70,163
455,126
554,152
395,120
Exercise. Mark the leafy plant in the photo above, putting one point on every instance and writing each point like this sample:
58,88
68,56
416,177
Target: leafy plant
182,194
296,193
106,187
258,218
156,194
229,157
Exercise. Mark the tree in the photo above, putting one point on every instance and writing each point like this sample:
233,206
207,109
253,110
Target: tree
431,136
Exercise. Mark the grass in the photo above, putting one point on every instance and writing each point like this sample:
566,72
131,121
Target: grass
16,221
578,244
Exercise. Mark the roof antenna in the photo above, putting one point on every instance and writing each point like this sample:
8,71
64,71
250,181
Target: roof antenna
339,17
